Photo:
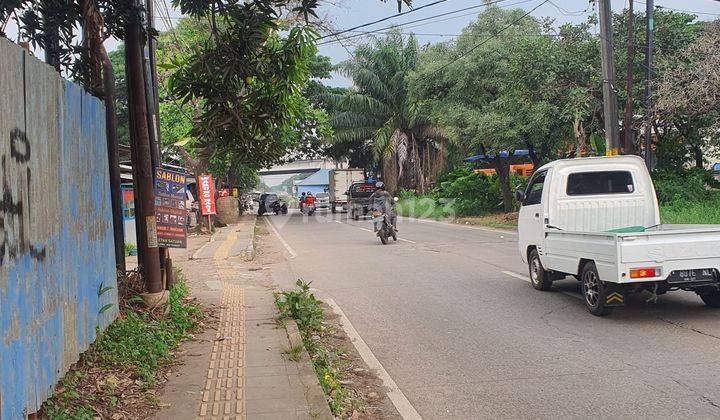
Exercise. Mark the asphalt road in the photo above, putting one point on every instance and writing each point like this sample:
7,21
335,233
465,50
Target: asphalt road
450,317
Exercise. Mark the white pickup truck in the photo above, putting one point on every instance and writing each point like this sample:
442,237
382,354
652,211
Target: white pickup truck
598,219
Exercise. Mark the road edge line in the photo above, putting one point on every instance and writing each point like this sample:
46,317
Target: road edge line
397,397
474,227
527,279
288,248
516,275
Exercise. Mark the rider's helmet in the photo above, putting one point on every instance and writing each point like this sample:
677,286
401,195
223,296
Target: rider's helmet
309,194
302,194
380,185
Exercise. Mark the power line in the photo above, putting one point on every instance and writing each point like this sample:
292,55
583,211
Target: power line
488,39
418,20
383,19
399,25
569,12
695,12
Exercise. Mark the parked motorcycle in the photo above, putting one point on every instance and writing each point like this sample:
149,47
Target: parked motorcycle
279,207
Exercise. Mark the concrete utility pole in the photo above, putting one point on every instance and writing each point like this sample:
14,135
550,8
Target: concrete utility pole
142,166
627,123
649,10
153,106
610,104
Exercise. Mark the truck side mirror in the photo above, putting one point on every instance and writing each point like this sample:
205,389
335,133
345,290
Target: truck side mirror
519,195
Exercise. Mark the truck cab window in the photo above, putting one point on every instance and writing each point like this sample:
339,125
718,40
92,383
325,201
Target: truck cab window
533,195
600,182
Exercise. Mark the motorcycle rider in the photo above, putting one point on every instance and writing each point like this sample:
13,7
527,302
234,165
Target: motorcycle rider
302,202
382,201
309,199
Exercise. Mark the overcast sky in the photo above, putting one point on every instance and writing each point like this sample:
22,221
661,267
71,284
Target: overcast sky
344,14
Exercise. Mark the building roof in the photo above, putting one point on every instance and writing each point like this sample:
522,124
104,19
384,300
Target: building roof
503,154
321,177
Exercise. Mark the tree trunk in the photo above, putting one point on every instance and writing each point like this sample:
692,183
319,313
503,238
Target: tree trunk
534,158
503,171
580,137
389,174
698,153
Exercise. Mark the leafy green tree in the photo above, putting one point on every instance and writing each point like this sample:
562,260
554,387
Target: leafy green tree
377,116
687,95
674,31
494,93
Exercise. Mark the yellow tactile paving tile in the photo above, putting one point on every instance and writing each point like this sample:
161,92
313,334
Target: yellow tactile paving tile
223,393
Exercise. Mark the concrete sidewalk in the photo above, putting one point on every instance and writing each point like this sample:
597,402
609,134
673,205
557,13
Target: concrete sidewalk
238,370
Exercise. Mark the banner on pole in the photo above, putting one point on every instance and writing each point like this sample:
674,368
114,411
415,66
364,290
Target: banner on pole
206,194
170,212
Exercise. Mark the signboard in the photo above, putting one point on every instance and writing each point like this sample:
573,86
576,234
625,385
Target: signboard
206,194
170,212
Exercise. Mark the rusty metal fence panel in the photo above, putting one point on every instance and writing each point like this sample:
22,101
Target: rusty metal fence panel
56,237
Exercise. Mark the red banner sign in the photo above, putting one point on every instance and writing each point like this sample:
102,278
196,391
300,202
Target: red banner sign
206,194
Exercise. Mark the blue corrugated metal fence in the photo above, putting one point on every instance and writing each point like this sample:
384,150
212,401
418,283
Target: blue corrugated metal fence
56,237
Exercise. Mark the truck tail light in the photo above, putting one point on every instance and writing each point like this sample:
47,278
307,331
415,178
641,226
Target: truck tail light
643,273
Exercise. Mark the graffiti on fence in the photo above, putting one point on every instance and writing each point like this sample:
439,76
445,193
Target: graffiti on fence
12,208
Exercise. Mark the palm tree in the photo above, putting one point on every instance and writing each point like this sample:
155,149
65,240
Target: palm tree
376,115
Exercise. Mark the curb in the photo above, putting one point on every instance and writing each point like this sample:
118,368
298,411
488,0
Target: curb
250,250
319,408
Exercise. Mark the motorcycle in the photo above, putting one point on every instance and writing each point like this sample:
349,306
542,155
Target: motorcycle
383,225
279,207
309,209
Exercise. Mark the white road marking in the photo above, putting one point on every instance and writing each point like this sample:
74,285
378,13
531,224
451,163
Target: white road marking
289,249
399,400
486,229
517,276
372,231
527,279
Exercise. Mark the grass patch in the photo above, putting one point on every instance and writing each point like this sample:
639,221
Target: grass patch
294,352
302,306
425,208
692,212
496,220
130,249
121,368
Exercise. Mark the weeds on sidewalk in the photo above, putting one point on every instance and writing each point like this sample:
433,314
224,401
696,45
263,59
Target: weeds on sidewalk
302,306
116,377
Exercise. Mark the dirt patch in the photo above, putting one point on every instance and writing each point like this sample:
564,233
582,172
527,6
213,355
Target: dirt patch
496,220
357,378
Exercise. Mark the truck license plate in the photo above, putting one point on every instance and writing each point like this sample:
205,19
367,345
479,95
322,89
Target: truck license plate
686,276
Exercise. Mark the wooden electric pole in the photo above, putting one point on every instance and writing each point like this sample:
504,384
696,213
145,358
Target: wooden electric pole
610,104
649,10
142,166
627,143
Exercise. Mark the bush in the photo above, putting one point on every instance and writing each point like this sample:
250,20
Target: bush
696,212
683,185
474,193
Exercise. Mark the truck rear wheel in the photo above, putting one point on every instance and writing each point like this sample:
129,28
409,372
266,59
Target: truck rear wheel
539,278
594,291
711,299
